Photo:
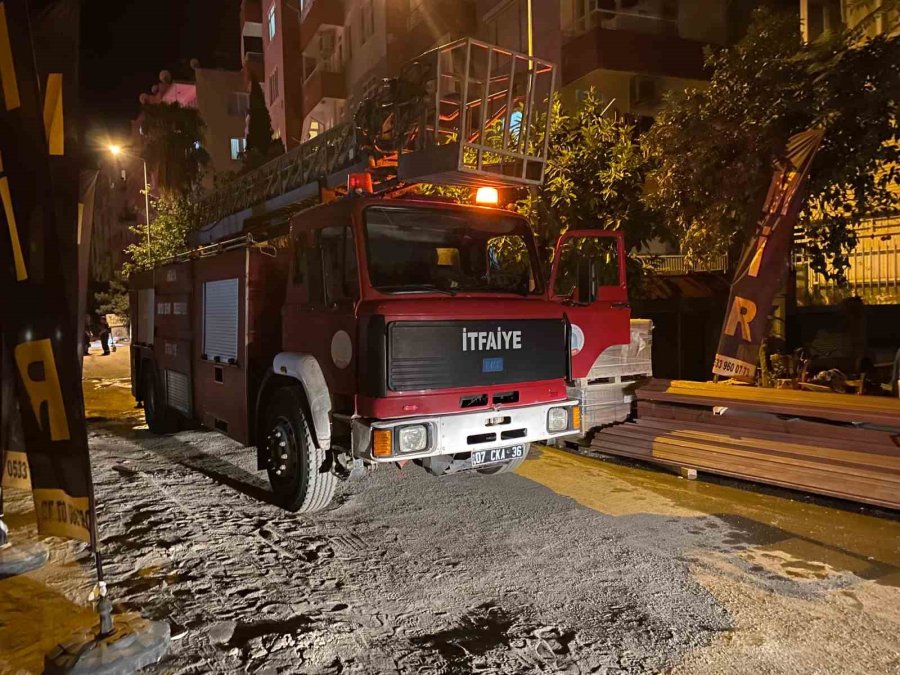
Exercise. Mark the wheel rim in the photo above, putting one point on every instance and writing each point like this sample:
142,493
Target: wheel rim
283,451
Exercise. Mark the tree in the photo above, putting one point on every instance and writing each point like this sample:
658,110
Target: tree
114,300
594,178
168,234
173,146
712,150
261,144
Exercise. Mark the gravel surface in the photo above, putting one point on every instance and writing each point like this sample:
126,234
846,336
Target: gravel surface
405,573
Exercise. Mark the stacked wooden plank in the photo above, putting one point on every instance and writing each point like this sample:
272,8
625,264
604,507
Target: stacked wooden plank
834,444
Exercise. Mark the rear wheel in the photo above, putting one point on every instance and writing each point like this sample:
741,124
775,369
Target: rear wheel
508,467
160,419
295,463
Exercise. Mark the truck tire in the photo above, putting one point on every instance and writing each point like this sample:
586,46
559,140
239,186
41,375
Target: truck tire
509,467
160,419
297,479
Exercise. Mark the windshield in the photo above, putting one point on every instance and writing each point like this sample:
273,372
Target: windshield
415,249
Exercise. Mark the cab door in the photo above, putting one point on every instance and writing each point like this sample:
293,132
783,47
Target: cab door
588,280
319,316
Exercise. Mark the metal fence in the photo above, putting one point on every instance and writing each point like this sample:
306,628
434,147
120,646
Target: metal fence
873,273
680,264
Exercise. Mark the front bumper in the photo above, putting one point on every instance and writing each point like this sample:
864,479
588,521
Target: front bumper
465,432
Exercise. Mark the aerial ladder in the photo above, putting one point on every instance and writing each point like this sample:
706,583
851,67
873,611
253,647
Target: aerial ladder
467,113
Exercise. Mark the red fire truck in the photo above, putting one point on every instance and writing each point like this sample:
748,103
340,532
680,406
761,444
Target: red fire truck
380,326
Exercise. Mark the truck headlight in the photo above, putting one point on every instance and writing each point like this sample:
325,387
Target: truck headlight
558,419
413,438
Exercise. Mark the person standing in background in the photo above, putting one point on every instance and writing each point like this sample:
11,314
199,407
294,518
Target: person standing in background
104,335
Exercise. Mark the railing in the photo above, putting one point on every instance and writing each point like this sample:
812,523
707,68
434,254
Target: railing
328,153
873,273
618,19
491,104
333,62
253,58
680,264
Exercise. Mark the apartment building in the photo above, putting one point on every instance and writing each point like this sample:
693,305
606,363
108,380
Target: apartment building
116,198
633,51
222,101
348,46
506,23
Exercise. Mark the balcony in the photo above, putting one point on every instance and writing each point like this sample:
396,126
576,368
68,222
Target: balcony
251,12
326,81
253,68
631,51
317,14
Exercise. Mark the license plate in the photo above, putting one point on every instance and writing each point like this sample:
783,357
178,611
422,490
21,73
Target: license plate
497,455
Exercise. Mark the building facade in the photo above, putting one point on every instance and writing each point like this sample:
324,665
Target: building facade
349,46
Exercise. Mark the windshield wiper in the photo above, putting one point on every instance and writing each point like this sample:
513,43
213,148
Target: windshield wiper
415,288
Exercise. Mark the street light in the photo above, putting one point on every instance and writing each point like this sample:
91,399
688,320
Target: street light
115,151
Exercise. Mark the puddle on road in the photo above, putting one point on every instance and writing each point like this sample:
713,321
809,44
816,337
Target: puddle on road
808,531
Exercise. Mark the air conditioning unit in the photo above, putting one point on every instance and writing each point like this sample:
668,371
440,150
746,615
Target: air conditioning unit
645,90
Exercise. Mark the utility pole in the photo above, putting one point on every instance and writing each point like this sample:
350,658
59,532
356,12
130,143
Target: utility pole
530,11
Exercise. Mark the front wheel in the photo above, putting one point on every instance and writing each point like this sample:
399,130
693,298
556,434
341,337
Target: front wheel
508,467
295,463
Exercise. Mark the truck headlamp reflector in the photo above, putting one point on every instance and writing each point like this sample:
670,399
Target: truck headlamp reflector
413,438
576,417
558,419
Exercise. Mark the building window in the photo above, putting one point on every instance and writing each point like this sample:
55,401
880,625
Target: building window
368,21
238,104
819,17
348,39
340,277
273,86
238,146
270,22
315,128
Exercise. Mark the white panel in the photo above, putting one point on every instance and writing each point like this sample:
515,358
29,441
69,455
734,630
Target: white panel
220,319
145,313
178,391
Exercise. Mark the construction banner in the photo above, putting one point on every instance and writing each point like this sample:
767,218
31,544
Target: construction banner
763,266
39,260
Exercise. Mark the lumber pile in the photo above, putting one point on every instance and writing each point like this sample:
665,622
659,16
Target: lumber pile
839,445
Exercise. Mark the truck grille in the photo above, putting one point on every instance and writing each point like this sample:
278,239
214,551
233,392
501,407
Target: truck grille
446,354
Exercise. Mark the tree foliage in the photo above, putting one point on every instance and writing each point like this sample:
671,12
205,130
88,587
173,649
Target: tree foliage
712,150
114,300
168,234
594,179
173,138
261,144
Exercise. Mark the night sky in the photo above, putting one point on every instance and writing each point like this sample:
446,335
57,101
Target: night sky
125,43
